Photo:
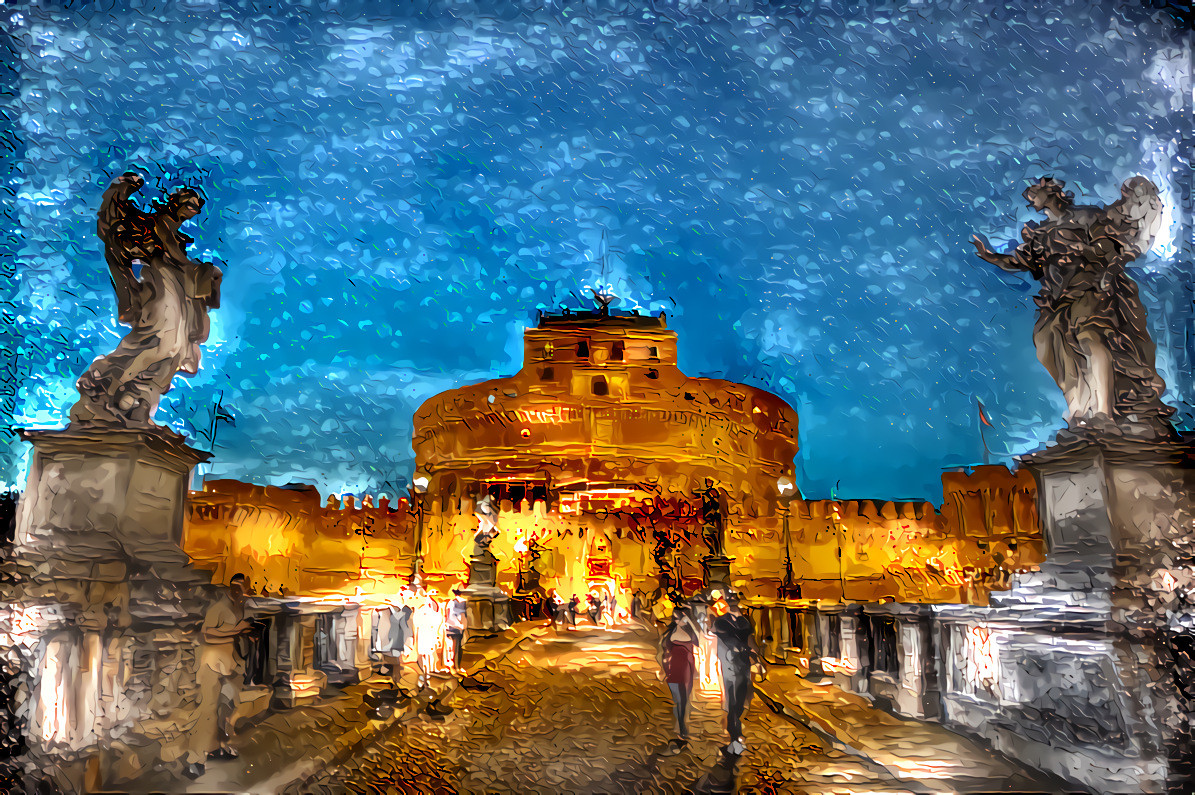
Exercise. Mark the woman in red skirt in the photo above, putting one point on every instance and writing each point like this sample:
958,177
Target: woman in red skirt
677,648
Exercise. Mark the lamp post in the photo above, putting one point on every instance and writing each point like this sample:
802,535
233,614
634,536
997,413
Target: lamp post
418,494
787,490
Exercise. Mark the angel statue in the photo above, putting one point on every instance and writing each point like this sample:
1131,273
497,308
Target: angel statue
487,529
165,306
1091,331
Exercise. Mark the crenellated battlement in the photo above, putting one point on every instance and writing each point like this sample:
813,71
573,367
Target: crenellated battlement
299,541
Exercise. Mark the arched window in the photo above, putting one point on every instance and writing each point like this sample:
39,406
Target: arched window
616,351
583,349
600,387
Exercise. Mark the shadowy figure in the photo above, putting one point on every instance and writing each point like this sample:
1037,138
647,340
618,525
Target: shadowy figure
218,679
736,652
457,621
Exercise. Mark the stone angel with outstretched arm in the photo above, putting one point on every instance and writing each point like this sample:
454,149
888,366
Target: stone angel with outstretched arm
1091,332
165,305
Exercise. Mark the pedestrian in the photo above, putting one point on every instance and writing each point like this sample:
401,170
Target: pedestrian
595,609
573,605
636,606
707,653
218,679
457,622
550,611
736,652
611,611
405,612
428,626
677,646
396,641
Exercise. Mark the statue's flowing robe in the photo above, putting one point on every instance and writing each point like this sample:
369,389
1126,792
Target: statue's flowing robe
165,306
1079,260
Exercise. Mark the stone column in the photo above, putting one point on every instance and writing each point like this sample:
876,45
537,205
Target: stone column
813,639
851,676
361,650
916,695
297,682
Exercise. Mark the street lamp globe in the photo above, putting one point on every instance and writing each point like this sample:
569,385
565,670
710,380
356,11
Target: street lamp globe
786,486
421,482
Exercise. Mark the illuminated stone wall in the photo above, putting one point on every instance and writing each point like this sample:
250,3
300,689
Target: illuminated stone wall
294,542
290,542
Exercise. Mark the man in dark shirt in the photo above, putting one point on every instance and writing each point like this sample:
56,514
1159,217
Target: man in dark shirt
458,621
736,651
573,604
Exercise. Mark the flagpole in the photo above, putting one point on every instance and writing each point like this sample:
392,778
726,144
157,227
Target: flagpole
980,421
212,433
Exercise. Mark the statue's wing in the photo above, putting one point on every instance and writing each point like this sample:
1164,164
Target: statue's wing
126,231
1137,216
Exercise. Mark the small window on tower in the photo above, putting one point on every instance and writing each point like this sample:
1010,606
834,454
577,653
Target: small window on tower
616,351
600,387
653,373
583,349
653,352
548,374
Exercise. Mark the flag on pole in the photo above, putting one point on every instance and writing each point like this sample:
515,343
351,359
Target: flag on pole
983,420
983,417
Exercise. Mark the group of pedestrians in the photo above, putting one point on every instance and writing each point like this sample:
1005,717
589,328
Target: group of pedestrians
600,608
415,624
693,624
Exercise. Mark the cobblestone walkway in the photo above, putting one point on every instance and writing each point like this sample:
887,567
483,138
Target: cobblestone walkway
584,712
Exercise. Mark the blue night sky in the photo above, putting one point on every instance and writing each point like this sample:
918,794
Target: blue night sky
392,199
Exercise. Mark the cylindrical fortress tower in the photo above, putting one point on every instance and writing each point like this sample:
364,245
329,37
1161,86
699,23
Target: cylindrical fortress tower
601,430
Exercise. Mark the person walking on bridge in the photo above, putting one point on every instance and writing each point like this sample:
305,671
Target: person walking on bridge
736,652
677,647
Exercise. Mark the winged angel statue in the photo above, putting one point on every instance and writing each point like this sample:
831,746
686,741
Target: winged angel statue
165,304
1091,332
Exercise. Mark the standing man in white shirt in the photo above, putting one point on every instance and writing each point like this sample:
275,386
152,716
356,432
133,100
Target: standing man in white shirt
429,628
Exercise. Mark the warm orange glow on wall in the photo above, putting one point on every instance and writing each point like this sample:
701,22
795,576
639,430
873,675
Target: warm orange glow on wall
580,444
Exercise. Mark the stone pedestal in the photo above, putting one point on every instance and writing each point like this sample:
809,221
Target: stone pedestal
96,572
1081,677
716,570
529,596
100,505
489,605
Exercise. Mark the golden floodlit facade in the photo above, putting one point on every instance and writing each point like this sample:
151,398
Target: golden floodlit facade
598,453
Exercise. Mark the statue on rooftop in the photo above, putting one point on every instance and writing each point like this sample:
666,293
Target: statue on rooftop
713,517
165,305
487,529
603,299
1091,332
